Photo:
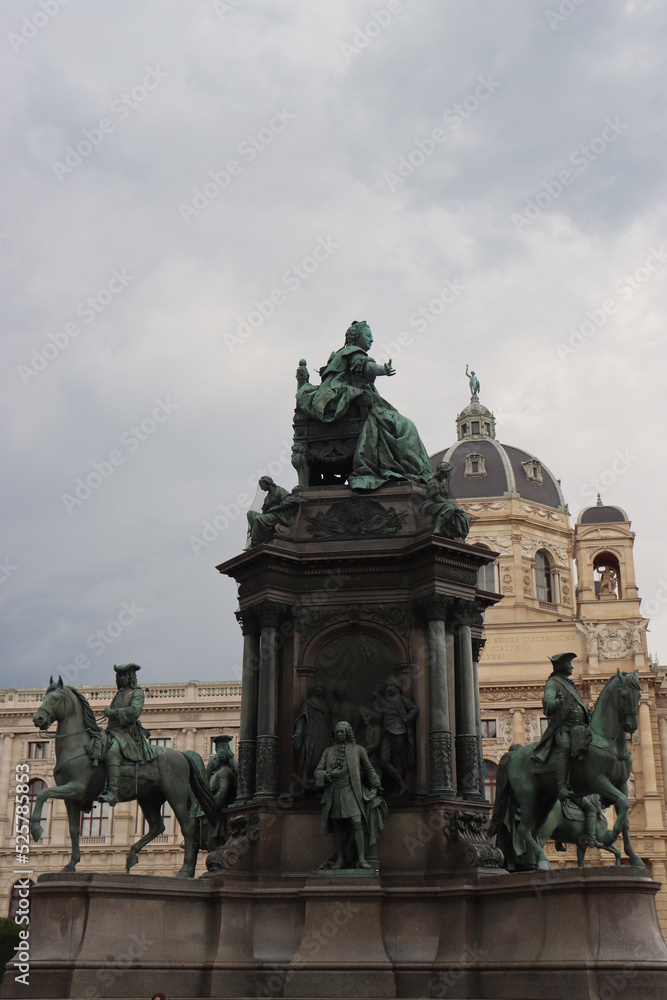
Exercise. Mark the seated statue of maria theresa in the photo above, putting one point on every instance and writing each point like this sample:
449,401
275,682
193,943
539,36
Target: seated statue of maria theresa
344,431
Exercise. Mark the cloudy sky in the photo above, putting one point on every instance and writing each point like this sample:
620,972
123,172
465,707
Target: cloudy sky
196,195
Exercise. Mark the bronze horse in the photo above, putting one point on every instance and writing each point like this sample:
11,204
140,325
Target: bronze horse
180,778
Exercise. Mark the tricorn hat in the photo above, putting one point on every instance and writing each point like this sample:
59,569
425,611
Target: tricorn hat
561,658
221,739
123,667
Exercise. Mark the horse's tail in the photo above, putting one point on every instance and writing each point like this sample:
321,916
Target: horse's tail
199,785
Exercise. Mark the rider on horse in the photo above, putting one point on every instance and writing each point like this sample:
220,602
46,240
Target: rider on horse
126,737
565,708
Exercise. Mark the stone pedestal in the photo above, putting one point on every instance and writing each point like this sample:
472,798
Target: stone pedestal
490,936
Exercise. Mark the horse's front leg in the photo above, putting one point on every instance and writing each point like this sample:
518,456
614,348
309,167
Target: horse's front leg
73,807
70,790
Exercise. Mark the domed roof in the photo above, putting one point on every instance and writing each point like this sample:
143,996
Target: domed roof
483,467
601,514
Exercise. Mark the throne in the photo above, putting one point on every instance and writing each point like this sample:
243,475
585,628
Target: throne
323,453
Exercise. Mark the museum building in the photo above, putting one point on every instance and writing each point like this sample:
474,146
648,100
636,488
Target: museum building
564,589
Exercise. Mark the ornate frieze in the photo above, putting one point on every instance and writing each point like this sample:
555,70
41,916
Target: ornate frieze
354,518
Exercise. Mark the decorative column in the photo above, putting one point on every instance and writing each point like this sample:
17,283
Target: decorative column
468,772
652,803
440,732
518,735
249,622
266,776
662,729
477,646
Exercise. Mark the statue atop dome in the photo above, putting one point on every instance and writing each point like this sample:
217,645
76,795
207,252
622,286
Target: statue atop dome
474,382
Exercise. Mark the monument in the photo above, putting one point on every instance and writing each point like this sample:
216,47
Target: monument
357,860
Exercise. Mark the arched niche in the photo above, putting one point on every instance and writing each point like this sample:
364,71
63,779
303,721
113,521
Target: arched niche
360,658
607,576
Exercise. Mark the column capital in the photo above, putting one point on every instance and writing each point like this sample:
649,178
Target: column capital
436,607
248,619
468,613
271,613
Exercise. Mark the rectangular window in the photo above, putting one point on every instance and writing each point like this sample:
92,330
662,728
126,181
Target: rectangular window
475,426
489,729
96,822
37,750
160,741
474,466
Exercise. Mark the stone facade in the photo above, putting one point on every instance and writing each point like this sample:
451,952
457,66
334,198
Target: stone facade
188,714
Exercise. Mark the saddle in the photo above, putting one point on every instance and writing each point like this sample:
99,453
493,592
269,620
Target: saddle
581,738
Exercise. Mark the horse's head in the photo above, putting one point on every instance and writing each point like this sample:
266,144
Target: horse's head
628,694
52,706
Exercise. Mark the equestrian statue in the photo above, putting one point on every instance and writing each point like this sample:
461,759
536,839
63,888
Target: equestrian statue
120,757
581,754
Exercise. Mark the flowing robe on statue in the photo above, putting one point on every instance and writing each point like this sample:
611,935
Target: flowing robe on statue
389,446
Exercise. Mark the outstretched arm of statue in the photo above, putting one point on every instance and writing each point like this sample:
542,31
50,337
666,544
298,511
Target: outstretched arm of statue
372,369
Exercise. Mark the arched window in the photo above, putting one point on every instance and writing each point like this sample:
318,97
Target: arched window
15,899
490,773
607,574
96,822
544,577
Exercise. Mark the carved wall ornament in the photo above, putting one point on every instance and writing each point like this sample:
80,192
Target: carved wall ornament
309,621
507,582
546,515
394,616
592,551
243,832
506,727
528,547
355,518
467,832
527,585
495,542
491,505
614,641
531,727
